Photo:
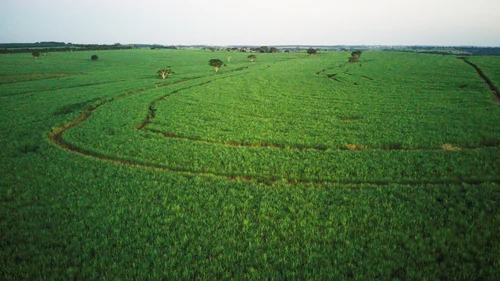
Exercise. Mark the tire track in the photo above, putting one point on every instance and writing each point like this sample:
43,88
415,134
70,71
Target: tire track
491,86
56,137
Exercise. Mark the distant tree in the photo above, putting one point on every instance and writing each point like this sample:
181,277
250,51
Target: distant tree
264,49
216,63
355,56
287,51
94,57
252,57
273,50
358,53
36,54
311,51
165,72
243,49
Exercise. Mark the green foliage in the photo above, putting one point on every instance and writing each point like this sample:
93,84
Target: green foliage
355,56
311,51
35,54
260,172
94,57
356,53
216,63
252,57
488,65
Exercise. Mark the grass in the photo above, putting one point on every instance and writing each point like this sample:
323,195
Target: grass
264,170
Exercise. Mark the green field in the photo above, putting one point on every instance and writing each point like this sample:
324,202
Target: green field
289,167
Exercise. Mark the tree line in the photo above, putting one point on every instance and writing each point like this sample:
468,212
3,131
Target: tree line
55,47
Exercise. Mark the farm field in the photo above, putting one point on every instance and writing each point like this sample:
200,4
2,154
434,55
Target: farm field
288,167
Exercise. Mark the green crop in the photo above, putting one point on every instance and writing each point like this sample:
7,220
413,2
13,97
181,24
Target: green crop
289,167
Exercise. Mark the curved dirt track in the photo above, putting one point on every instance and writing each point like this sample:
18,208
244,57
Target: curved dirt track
56,137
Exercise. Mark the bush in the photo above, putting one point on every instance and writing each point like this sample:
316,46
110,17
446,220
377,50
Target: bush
94,57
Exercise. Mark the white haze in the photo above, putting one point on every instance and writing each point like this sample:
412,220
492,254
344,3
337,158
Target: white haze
257,22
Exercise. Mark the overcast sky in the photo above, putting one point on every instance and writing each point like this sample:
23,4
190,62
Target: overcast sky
257,22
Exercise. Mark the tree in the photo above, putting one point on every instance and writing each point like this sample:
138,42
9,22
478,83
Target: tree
216,63
355,56
94,57
252,57
311,52
165,72
264,49
287,51
357,52
273,50
36,54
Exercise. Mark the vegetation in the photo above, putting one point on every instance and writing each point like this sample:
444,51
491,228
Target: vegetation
252,57
265,171
354,56
44,47
311,51
165,72
94,57
216,63
35,54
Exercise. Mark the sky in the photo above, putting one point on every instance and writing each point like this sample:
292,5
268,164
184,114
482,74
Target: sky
256,22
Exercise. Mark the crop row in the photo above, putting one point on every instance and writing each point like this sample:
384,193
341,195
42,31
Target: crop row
111,135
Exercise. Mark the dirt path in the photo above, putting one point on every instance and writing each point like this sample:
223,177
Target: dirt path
56,137
493,89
